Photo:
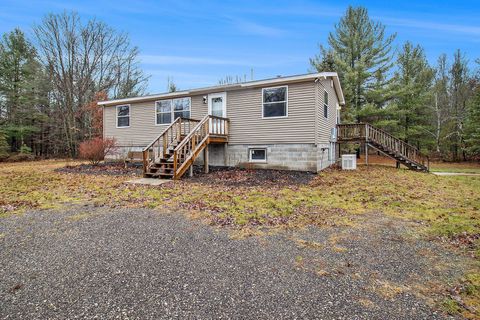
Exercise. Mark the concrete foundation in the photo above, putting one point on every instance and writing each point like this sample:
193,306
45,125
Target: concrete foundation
302,157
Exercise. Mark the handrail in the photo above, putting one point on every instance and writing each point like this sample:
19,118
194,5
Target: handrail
161,134
367,132
173,133
187,150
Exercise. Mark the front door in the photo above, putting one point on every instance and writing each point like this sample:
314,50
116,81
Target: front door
217,106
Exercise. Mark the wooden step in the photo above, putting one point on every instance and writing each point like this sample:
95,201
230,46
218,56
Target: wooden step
159,174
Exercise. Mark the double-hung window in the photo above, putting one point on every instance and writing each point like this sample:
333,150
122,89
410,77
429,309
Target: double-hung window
325,104
169,110
123,116
164,111
181,108
274,102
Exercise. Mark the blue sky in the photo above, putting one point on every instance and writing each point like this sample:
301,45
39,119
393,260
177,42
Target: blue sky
198,42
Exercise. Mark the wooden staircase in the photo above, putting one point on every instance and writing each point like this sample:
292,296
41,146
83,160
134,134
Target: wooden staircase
173,152
384,142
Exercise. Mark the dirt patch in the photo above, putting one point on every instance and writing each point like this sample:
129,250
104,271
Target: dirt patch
228,176
109,169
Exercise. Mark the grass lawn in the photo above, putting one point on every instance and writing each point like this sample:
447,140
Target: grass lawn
446,208
463,167
435,166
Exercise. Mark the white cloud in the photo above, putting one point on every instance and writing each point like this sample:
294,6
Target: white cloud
184,60
256,61
454,28
254,28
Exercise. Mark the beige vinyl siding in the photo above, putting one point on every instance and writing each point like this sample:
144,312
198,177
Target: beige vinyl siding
325,125
244,108
142,128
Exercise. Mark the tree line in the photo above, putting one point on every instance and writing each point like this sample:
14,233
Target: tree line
48,92
434,107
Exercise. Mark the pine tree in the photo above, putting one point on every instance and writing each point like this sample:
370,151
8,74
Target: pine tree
472,125
325,61
3,146
18,72
412,83
439,104
361,52
460,91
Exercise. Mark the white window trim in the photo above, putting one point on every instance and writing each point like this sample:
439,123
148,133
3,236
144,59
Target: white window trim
156,113
116,116
286,103
257,160
326,104
172,111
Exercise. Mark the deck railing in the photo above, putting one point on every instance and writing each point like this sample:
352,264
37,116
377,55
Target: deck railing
369,133
189,148
173,134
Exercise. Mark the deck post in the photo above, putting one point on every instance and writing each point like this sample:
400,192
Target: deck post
190,170
205,158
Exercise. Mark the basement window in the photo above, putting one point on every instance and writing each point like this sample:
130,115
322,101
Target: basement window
274,103
123,116
325,104
257,155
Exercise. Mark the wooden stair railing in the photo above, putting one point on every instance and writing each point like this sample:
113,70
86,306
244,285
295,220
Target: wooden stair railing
210,127
385,142
171,136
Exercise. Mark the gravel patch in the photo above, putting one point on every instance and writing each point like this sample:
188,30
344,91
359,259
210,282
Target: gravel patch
88,262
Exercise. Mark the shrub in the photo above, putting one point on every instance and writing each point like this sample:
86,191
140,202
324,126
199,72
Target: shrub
96,149
18,157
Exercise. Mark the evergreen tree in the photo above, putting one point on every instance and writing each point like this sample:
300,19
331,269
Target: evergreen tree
171,86
411,84
472,125
361,52
440,103
19,70
460,91
325,61
3,146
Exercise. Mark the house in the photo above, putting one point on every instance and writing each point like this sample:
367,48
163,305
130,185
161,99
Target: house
280,123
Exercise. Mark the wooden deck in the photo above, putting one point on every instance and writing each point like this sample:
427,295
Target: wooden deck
173,152
384,142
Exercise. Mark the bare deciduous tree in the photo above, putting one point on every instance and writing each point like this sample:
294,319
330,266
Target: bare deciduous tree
84,59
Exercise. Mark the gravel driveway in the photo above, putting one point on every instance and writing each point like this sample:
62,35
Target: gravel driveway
88,262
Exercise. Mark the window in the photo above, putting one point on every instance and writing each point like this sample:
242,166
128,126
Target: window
181,108
123,116
164,111
169,110
257,155
325,104
275,102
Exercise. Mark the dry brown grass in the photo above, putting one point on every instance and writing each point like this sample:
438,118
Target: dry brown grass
446,206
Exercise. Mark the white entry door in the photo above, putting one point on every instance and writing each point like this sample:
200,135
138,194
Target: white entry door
217,106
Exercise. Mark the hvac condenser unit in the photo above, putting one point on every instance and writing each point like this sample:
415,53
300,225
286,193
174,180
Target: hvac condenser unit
349,161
